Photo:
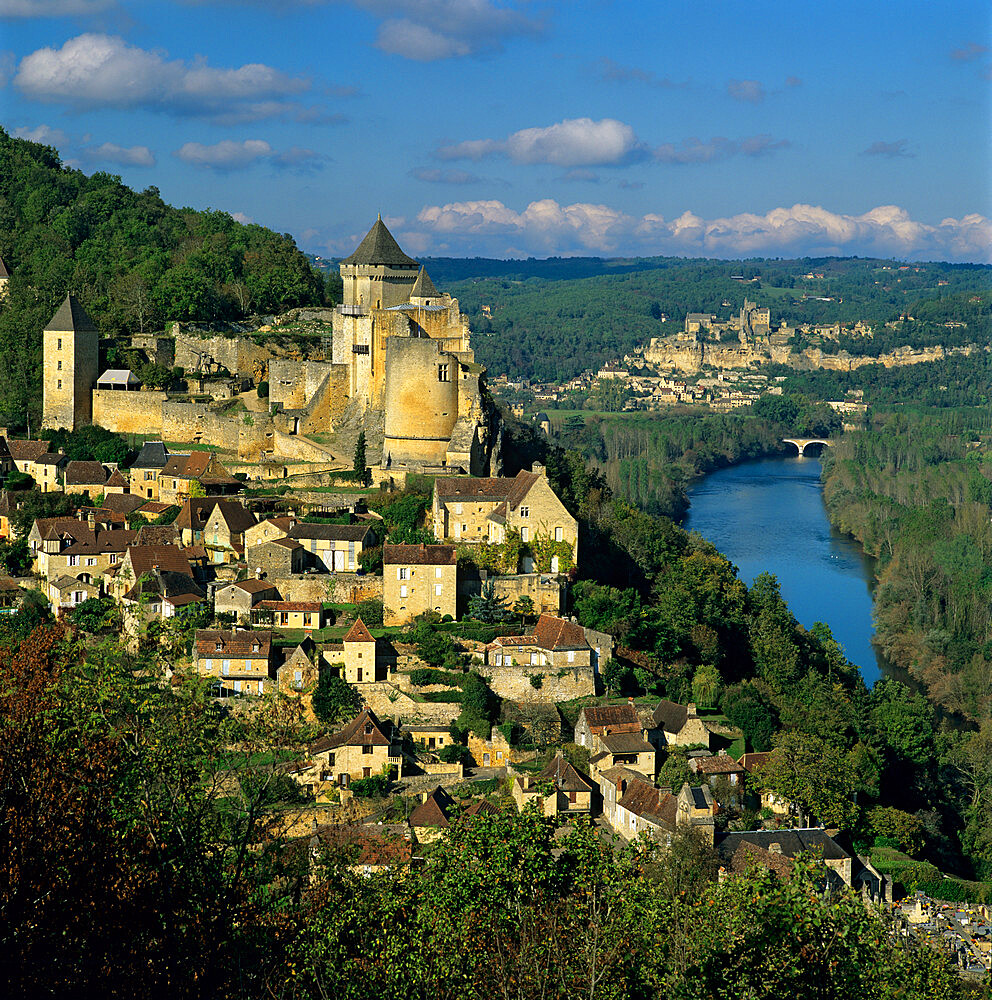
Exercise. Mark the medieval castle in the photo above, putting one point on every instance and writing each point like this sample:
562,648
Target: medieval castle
396,363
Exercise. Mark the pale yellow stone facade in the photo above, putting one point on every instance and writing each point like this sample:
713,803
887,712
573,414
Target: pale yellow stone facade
418,578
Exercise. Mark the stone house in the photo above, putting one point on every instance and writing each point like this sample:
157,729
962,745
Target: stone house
780,849
175,481
569,792
10,595
333,548
433,737
612,783
153,581
555,643
25,453
117,483
778,805
90,554
363,657
367,850
630,750
239,598
239,661
364,747
299,672
494,752
277,559
679,725
595,720
67,592
720,765
656,812
145,469
432,817
85,477
306,615
696,810
418,578
219,525
267,530
483,510
47,471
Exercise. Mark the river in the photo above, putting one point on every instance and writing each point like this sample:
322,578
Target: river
769,516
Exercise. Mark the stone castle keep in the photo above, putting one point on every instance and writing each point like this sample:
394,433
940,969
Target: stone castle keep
397,364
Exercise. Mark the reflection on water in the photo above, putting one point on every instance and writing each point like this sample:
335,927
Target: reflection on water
769,516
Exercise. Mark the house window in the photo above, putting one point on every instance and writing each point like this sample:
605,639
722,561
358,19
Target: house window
571,656
59,367
368,728
307,616
226,667
402,573
90,561
149,475
219,646
73,560
458,508
208,664
442,373
437,573
366,748
559,534
114,556
255,647
525,511
524,533
437,590
237,687
571,797
297,679
60,344
261,687
534,659
330,760
498,660
358,679
403,590
58,385
77,597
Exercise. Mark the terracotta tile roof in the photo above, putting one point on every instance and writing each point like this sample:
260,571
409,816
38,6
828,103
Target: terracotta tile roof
364,845
314,606
671,716
26,451
197,511
656,805
616,775
419,555
752,761
253,586
97,542
152,507
718,764
481,807
233,642
235,515
176,588
145,558
123,503
433,811
598,717
358,633
354,734
85,474
6,583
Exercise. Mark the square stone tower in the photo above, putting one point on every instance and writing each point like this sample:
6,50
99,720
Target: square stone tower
71,367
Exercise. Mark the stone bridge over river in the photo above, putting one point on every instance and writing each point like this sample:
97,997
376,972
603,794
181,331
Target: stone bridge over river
803,443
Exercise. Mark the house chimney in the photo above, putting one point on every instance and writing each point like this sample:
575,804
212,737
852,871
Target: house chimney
691,709
775,848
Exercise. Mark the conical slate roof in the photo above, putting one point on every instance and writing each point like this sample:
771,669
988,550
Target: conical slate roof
71,316
379,247
423,287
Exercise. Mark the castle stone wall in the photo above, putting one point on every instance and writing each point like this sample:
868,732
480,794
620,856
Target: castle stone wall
514,684
129,412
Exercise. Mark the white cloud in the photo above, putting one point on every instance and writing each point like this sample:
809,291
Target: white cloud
52,8
427,30
231,155
126,156
571,143
891,150
43,134
750,91
548,227
94,70
242,218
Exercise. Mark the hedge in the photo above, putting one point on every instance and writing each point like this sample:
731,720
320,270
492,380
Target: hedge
447,696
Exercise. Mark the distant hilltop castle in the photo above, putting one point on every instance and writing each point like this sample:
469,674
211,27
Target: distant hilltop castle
398,365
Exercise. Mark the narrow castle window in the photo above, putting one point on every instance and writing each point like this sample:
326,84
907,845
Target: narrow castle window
58,385
442,373
60,344
60,366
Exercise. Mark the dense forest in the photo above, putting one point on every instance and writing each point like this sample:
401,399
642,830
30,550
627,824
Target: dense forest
551,320
133,261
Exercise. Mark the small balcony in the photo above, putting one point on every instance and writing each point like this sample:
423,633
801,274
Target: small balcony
354,310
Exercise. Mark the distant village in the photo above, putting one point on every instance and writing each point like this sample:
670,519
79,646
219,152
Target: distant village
245,520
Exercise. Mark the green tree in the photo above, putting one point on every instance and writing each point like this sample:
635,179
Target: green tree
524,606
334,699
360,464
488,606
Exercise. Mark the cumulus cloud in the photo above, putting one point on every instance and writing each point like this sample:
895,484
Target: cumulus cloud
126,156
613,72
548,227
969,52
892,150
573,142
52,8
434,175
428,30
98,70
44,134
230,155
750,91
242,218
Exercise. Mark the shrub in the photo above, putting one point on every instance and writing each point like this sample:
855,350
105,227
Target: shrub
536,680
455,753
371,611
263,390
445,696
375,787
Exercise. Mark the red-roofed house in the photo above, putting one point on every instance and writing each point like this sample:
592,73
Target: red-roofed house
555,642
570,791
307,615
362,748
239,598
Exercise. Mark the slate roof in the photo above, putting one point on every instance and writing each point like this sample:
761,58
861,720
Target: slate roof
433,811
379,247
50,458
123,503
423,287
96,542
626,743
793,843
354,734
419,555
358,633
656,805
511,491
564,776
153,455
117,478
78,473
671,716
66,582
331,532
235,643
70,317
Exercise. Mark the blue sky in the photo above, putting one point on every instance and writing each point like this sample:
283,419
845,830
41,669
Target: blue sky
517,127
